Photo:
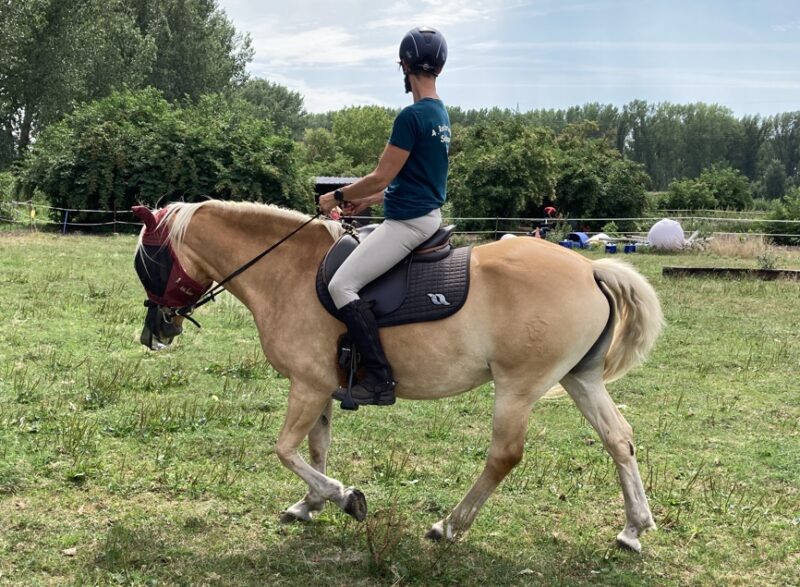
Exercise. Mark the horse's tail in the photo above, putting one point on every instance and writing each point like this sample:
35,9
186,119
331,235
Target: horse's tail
639,318
637,315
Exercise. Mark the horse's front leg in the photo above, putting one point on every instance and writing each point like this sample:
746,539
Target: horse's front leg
306,405
319,441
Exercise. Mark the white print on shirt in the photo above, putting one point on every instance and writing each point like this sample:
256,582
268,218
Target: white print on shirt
443,134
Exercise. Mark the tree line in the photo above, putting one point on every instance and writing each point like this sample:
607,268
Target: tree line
105,103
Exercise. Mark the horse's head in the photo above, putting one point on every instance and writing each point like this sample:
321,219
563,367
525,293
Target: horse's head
168,287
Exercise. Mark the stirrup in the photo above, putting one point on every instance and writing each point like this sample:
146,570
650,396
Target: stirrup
382,396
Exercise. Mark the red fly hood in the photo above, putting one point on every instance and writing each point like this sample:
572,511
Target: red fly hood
159,269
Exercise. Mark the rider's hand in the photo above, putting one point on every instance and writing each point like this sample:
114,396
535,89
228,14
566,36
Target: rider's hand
327,203
354,208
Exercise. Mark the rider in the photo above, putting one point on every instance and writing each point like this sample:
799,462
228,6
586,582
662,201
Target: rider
414,167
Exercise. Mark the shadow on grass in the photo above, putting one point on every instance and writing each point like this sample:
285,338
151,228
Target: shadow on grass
338,551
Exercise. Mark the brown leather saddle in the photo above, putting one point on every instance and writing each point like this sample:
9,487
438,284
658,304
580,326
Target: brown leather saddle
431,283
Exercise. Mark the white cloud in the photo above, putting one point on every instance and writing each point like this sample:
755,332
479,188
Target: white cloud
329,45
787,26
324,99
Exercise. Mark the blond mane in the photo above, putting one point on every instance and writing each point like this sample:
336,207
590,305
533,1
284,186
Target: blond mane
180,214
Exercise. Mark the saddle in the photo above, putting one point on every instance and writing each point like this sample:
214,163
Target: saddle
431,283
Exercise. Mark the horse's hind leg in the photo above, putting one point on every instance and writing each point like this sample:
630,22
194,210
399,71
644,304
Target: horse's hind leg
303,413
509,425
586,387
319,440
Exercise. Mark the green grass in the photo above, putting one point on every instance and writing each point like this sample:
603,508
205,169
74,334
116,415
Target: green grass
119,466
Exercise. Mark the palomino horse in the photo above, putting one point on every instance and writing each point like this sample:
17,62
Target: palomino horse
536,315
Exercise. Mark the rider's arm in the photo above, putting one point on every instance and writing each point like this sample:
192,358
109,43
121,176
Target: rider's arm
389,166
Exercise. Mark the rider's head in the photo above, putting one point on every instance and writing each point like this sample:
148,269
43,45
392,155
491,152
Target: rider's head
423,51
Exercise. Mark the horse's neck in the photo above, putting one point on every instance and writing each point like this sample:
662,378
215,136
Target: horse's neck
227,239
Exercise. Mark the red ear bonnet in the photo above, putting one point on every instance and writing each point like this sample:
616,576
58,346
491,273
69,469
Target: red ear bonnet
144,214
153,234
159,269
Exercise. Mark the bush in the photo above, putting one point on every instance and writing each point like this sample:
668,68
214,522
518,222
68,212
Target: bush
6,185
135,147
787,209
716,188
689,194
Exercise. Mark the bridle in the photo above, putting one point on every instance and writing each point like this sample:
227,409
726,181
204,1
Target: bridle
210,295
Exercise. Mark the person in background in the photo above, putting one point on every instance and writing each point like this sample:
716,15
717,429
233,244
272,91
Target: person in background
411,181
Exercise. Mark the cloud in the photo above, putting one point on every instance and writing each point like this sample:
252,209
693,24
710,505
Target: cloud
328,45
324,99
442,13
662,47
792,25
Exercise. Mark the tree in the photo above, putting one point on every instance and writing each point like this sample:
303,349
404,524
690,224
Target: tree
361,133
275,103
53,54
198,50
689,194
595,181
323,156
136,147
501,169
788,208
751,136
774,180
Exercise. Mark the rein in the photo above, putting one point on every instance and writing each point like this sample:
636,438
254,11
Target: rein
209,296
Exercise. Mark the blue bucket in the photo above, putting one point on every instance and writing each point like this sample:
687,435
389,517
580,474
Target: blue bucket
567,244
581,239
630,248
611,248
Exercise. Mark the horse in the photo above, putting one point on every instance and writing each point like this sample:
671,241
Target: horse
537,317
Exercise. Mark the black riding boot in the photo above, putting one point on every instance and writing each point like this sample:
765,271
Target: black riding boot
377,385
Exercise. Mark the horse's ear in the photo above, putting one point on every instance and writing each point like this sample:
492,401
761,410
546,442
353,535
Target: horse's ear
144,214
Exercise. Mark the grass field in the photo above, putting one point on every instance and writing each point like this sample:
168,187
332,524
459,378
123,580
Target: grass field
119,466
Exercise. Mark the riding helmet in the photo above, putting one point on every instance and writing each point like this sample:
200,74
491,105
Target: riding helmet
424,49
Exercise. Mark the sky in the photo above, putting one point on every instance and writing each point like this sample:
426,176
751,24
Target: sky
532,54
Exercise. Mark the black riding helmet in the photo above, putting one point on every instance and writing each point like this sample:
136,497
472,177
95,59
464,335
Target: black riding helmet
423,49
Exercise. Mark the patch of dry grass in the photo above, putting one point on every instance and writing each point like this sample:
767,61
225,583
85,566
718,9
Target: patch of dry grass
739,246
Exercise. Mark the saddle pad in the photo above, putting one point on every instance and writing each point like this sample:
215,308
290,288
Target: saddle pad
435,290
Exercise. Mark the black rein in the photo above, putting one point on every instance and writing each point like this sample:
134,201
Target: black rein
209,296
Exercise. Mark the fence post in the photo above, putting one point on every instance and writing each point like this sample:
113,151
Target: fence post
66,217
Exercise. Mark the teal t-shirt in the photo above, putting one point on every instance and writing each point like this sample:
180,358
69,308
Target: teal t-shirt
423,129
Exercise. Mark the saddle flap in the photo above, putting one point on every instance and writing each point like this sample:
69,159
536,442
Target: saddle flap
412,291
390,291
387,291
336,255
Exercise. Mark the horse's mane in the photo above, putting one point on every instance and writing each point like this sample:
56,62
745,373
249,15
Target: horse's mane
181,213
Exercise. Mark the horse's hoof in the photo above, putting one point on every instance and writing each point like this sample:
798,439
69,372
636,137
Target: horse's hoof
624,540
434,534
287,518
356,504
440,532
290,518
